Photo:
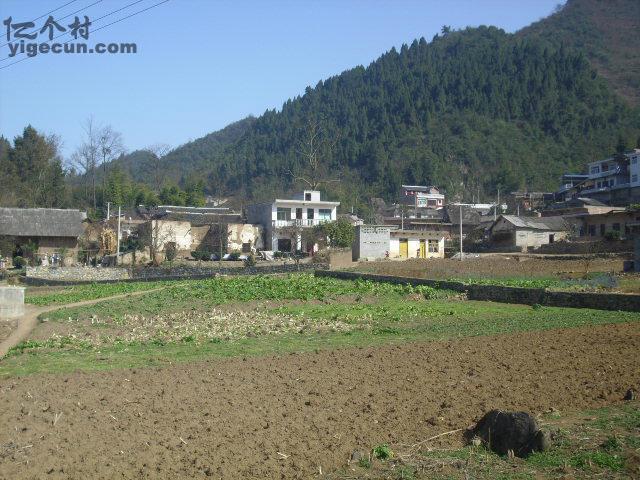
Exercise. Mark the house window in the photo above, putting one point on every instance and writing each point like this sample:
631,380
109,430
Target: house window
605,168
634,177
284,213
433,246
310,213
592,230
307,196
324,214
634,160
595,170
602,229
616,227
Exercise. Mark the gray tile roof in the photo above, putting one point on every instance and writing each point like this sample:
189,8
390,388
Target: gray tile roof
537,223
41,222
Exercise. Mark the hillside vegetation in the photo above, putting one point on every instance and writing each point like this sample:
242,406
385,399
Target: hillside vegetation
473,110
608,32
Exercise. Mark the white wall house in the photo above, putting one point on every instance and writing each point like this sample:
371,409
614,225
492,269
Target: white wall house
416,244
421,196
282,217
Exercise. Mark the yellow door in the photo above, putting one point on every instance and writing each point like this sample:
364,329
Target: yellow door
423,249
404,248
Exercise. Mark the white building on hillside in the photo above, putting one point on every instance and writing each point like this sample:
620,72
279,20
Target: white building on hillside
284,219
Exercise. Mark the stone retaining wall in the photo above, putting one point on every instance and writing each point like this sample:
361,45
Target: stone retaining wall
80,275
496,293
84,274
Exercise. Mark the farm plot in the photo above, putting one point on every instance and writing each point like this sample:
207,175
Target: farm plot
303,415
285,377
254,316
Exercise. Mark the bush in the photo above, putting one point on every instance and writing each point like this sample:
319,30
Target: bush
233,256
250,261
171,251
201,255
382,452
19,261
612,235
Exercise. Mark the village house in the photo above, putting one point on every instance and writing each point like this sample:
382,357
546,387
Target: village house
622,224
416,244
421,196
52,233
614,180
213,230
284,220
522,233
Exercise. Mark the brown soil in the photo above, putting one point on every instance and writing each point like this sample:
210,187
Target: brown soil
289,416
492,267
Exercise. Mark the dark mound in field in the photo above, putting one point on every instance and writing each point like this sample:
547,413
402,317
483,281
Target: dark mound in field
505,432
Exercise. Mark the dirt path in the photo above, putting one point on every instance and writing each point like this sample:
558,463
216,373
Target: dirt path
292,415
29,320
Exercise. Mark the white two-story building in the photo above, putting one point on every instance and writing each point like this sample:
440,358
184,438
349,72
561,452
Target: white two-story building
284,219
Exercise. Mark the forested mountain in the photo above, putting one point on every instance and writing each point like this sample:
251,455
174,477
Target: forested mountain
607,31
472,110
194,157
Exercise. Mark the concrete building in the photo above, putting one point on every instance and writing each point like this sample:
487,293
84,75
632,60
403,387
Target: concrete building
614,180
283,220
52,231
371,242
421,196
416,244
512,232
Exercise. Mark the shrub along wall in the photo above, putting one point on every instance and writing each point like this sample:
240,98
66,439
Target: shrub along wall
497,293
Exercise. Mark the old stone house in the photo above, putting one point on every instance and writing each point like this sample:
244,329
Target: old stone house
521,233
48,231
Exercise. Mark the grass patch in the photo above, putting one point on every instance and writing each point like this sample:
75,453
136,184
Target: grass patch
592,444
79,293
389,319
205,294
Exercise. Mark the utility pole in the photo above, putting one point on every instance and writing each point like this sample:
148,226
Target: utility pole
460,232
118,239
108,209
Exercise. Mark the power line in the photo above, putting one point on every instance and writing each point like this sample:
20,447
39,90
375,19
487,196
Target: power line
66,16
98,29
96,20
54,10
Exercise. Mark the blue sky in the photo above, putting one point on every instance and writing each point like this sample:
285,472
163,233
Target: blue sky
202,64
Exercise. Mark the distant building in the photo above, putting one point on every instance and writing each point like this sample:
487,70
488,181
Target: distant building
420,196
624,223
284,219
614,180
371,242
416,244
510,231
52,231
578,207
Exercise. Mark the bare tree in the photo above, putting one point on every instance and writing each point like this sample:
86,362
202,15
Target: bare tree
154,235
314,148
157,152
110,146
85,158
